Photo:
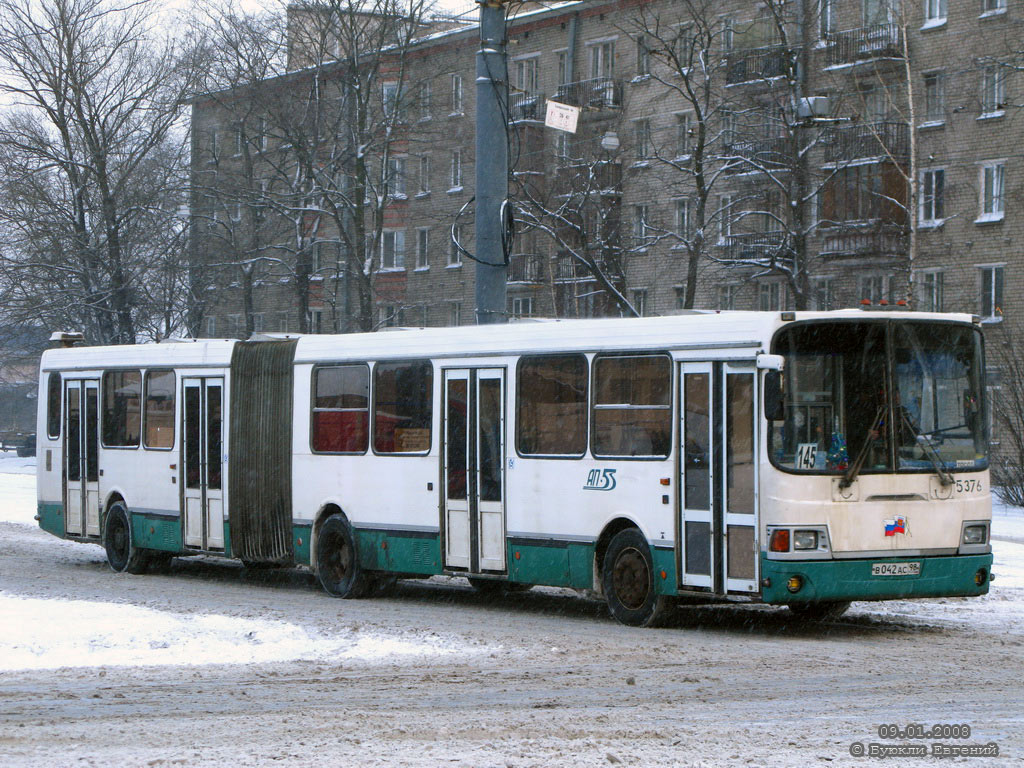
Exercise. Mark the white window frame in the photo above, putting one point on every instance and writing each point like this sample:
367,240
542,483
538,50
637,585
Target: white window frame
395,182
997,291
424,178
526,73
931,290
684,134
934,13
456,171
992,7
727,295
422,249
992,191
643,56
389,96
993,91
641,215
643,139
934,98
454,254
522,306
454,313
931,197
211,327
682,216
392,259
425,99
638,298
826,285
458,104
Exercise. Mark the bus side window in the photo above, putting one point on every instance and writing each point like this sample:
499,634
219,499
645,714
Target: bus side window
122,408
159,413
402,407
53,390
551,405
632,405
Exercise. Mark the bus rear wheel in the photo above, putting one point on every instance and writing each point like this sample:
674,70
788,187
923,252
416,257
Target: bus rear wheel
628,581
337,560
122,554
823,611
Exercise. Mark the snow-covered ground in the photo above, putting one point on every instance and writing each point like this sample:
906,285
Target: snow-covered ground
36,633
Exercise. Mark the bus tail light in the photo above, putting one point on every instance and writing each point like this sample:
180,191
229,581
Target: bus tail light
779,540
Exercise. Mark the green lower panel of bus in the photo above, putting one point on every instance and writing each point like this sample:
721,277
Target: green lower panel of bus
952,576
399,551
160,533
51,518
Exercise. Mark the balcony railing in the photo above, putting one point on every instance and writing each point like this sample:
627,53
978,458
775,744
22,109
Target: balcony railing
596,93
526,106
571,269
881,139
526,268
846,243
766,152
881,41
757,64
756,246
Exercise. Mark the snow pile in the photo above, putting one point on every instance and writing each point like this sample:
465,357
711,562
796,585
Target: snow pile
49,634
12,464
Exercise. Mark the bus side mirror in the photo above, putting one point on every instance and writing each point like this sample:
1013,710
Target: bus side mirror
773,410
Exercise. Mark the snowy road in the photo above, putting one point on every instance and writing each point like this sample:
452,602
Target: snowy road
212,665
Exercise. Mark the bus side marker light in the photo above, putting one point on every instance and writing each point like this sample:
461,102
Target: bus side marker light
298,541
779,540
383,545
980,576
794,584
665,481
517,555
766,581
664,575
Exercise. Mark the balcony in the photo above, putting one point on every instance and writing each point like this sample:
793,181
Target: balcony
569,269
757,64
881,41
772,152
596,93
756,246
526,106
888,241
526,268
882,139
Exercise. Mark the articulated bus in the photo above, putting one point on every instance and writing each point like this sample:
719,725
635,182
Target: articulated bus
804,459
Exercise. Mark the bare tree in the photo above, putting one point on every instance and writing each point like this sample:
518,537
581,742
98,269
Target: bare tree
90,157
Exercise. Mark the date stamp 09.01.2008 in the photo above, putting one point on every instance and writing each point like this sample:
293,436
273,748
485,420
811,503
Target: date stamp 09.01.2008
946,740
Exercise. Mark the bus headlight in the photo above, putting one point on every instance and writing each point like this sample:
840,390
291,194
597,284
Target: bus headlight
805,539
975,534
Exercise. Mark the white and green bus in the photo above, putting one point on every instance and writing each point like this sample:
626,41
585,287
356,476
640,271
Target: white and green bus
805,459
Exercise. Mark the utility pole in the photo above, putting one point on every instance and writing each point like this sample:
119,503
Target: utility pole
491,163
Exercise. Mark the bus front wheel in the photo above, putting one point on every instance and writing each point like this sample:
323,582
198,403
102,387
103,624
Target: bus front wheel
628,581
122,554
822,611
337,560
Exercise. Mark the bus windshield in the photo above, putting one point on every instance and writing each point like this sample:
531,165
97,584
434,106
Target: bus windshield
880,396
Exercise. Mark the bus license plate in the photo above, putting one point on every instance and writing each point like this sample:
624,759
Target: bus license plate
896,569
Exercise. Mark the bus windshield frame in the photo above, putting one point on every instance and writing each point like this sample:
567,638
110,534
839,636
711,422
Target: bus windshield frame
880,396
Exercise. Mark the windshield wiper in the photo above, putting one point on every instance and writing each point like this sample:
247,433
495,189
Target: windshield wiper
925,441
862,454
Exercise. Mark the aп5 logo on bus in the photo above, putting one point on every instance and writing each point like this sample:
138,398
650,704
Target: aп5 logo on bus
600,480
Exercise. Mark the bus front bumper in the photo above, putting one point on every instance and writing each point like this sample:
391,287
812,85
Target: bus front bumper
840,580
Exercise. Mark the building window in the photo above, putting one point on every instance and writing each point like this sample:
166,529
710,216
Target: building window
389,99
522,306
640,301
934,11
390,316
875,288
395,182
772,297
424,175
456,169
727,295
454,252
639,225
993,90
239,135
211,327
643,57
642,139
425,97
992,185
213,145
316,321
934,97
562,145
235,326
684,134
683,218
931,207
931,288
827,18
422,248
824,293
457,106
524,74
455,313
392,254
993,6
992,292
602,60
284,321
724,214
257,322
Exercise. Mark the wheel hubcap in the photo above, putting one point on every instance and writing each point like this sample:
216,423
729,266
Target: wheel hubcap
631,578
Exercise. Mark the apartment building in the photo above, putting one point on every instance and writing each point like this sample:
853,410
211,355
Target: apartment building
729,155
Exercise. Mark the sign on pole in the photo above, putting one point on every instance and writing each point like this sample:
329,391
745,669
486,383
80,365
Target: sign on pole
562,116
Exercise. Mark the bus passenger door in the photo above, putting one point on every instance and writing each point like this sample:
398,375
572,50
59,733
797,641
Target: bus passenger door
202,463
473,457
697,463
739,478
81,458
